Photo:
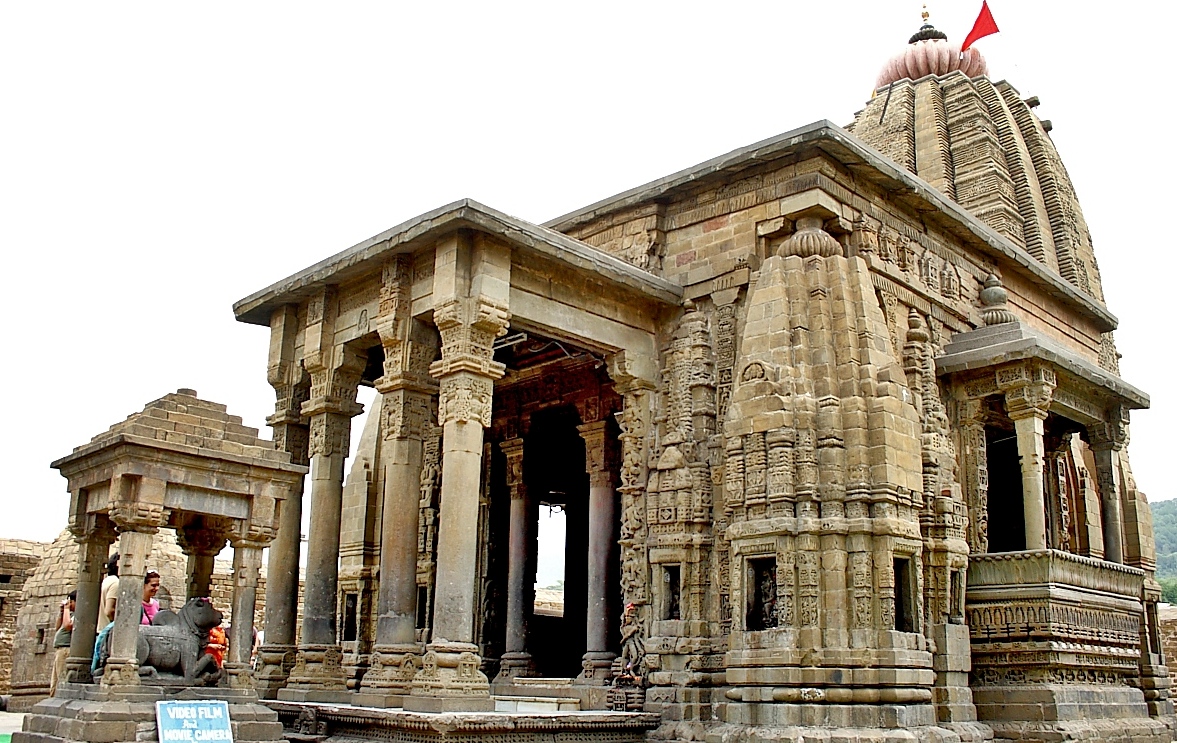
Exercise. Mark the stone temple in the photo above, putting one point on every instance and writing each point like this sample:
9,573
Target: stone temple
836,420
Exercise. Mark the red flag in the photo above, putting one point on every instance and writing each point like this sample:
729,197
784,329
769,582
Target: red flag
984,26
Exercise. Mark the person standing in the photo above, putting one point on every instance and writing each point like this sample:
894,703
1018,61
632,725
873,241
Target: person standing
150,603
61,640
218,643
109,593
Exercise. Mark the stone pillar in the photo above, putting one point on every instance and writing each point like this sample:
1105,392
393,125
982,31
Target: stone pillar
976,473
516,661
598,659
1107,441
122,667
201,542
137,511
94,542
291,434
471,285
318,667
396,657
407,413
1027,406
247,562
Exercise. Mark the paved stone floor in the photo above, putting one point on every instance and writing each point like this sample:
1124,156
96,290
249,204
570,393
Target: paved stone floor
10,722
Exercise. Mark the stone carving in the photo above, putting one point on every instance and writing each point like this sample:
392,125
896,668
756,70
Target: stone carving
330,435
629,672
171,650
466,398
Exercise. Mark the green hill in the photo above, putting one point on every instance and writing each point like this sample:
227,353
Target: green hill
1164,522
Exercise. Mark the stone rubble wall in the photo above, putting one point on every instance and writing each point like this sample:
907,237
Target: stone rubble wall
1167,614
18,559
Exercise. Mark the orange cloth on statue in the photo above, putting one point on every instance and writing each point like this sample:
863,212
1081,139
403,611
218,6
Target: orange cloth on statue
216,637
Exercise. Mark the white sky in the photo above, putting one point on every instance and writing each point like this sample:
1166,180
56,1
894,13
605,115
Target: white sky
159,161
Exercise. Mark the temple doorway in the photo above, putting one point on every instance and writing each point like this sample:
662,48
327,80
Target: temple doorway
1007,520
554,468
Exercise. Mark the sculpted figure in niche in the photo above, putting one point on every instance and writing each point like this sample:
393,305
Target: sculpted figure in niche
633,641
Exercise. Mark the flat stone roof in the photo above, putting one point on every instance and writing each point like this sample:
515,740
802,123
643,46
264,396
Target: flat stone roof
463,214
864,161
1012,341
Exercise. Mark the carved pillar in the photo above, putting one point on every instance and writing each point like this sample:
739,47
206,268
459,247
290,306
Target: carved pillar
516,661
976,474
1107,442
137,511
471,287
94,537
201,542
598,659
407,414
292,435
330,408
247,562
1027,406
632,377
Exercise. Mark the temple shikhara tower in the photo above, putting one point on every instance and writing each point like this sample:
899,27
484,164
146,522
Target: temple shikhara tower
836,420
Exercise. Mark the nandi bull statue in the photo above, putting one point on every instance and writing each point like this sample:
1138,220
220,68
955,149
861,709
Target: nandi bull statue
171,649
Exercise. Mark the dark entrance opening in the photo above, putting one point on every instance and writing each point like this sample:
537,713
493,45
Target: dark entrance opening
1007,518
554,469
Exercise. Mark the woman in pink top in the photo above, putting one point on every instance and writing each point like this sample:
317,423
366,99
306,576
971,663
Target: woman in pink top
150,603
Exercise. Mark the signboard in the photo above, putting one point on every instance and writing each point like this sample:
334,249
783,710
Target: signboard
193,721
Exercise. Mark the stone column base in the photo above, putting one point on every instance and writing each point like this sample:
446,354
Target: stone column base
598,669
240,675
390,676
515,665
317,676
274,663
450,681
121,672
77,671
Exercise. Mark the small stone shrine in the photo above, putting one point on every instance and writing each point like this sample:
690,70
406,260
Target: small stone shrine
182,463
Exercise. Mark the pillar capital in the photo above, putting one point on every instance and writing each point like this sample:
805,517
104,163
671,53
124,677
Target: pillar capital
1028,387
205,538
137,504
408,350
1029,401
513,451
632,372
90,528
599,459
1111,433
468,327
